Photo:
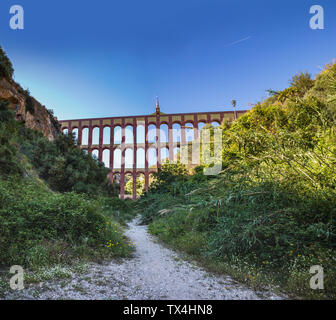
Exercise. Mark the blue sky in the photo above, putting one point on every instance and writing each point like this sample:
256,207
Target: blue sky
111,58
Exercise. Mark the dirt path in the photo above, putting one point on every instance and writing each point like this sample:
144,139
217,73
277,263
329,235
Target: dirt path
154,273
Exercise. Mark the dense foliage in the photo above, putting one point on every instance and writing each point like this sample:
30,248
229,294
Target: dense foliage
56,203
270,214
6,68
65,167
38,227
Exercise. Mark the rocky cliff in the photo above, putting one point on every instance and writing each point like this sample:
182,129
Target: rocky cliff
27,109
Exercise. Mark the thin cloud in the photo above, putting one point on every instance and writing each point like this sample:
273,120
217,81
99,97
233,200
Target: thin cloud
238,41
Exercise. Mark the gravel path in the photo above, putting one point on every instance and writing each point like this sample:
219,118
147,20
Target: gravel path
155,272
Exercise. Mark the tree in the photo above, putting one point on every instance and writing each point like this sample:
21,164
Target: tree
140,187
168,175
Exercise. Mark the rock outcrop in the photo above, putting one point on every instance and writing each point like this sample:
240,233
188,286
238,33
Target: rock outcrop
36,116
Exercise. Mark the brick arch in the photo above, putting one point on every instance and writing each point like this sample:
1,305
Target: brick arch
216,120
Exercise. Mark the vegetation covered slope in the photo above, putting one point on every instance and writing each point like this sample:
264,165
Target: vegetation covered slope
53,196
56,203
270,214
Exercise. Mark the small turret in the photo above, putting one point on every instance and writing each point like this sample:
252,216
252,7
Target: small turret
157,110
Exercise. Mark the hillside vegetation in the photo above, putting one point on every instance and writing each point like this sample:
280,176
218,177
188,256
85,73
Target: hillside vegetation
270,214
56,203
53,196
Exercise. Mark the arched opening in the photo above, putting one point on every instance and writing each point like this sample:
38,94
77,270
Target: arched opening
65,131
106,158
140,134
189,132
95,136
129,158
129,139
85,136
177,154
151,136
117,159
140,158
164,155
140,184
128,185
215,124
95,154
117,135
164,136
151,179
116,178
75,133
107,135
176,132
152,158
200,127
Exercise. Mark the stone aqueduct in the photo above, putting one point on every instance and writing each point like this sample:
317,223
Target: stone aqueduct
191,122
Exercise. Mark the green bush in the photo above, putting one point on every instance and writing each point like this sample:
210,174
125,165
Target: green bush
67,168
33,220
6,68
119,210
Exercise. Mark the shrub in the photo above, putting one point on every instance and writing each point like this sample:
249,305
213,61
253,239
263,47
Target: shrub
6,68
168,177
66,168
33,219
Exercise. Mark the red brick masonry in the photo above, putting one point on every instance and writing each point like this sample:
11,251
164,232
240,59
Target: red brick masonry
157,119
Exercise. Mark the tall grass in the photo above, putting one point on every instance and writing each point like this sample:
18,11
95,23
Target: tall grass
270,215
